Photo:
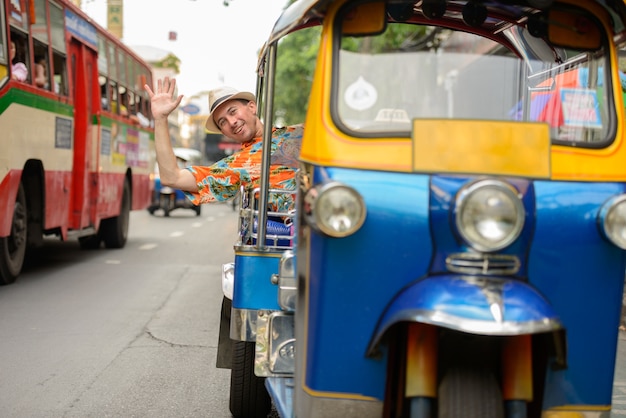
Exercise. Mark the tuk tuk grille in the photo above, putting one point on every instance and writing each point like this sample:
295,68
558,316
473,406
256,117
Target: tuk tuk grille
489,264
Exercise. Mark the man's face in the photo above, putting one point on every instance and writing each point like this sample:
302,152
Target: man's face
237,120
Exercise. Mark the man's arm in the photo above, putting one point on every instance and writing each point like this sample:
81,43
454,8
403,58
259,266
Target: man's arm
163,103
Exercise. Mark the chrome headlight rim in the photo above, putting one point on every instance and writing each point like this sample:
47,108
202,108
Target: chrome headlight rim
313,214
467,192
606,215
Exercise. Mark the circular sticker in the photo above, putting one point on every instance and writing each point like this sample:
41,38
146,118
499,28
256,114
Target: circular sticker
360,95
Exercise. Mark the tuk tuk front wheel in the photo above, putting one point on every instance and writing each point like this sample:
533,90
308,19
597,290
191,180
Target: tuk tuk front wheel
469,392
248,396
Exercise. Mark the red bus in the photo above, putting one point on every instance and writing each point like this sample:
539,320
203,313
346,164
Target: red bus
77,140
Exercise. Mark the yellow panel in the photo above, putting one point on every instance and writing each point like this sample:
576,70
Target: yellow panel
481,147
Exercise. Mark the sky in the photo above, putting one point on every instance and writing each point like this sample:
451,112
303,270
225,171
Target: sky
217,44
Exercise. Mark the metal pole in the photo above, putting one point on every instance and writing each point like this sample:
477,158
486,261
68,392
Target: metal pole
268,99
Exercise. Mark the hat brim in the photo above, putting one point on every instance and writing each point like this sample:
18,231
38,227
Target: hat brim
210,123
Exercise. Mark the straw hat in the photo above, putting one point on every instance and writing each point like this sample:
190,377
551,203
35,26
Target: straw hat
218,97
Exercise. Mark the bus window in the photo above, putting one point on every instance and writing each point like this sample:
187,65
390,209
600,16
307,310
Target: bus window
112,62
123,101
104,92
121,67
143,110
41,73
132,75
19,67
132,109
38,27
60,74
113,96
18,16
103,62
57,28
4,71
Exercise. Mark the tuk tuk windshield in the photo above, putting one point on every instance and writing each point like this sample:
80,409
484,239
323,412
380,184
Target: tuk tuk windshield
418,71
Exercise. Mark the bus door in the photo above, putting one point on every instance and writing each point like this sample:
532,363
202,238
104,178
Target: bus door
83,61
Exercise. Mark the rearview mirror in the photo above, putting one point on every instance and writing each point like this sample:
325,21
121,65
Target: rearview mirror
365,19
573,30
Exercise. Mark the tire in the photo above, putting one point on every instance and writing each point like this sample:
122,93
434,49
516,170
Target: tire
165,204
469,392
90,242
248,396
114,231
13,247
198,210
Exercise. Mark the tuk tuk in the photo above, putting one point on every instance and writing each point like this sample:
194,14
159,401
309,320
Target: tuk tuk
167,199
457,244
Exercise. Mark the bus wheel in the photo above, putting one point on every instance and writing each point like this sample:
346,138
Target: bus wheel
114,231
198,210
90,242
13,247
470,392
248,396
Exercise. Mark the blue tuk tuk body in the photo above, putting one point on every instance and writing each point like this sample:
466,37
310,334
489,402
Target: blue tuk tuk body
457,248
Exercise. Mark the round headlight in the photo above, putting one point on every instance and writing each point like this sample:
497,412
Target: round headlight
613,220
489,215
334,209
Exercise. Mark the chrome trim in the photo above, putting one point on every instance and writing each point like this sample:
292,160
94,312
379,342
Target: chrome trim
451,308
243,324
249,217
481,263
312,213
467,191
228,279
286,280
275,345
603,218
473,326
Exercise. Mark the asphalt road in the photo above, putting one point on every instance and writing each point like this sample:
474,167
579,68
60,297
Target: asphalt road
120,333
619,383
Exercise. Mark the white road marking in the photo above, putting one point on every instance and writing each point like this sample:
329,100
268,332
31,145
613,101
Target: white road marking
148,246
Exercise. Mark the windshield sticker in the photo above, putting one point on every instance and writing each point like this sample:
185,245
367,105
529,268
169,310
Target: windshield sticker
360,95
580,108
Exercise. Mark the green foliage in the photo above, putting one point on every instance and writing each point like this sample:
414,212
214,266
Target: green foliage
170,61
397,36
297,53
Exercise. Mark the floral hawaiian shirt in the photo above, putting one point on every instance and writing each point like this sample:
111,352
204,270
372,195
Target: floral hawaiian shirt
222,180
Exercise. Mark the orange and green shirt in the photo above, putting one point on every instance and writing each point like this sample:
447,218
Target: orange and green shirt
222,180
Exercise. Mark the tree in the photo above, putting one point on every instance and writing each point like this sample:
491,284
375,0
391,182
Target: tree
297,53
170,61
